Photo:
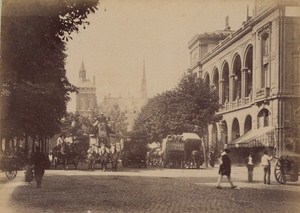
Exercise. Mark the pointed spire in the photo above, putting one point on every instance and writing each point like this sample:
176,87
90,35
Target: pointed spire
82,66
144,83
82,73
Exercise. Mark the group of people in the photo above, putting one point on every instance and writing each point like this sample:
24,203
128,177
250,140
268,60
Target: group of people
62,139
225,168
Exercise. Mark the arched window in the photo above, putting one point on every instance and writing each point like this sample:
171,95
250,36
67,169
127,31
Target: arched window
263,118
237,78
225,78
248,124
216,80
249,71
235,129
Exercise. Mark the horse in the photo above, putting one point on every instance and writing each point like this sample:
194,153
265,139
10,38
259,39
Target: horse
65,154
114,157
155,157
195,159
92,153
103,153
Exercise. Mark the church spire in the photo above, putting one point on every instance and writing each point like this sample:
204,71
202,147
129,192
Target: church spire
82,73
144,84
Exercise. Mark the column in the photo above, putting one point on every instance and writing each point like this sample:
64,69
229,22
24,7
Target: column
231,87
244,82
221,91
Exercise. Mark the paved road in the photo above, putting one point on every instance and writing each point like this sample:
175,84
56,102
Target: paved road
148,190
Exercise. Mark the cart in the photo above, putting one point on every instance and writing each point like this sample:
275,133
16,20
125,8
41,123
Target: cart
9,164
287,169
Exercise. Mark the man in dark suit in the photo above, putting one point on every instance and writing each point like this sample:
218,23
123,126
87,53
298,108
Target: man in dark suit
40,162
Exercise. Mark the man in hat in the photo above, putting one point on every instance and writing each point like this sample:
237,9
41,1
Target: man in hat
225,168
40,162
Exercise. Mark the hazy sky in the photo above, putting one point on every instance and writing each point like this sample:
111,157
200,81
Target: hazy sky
123,33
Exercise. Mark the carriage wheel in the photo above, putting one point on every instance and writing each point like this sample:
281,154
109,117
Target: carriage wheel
11,174
278,172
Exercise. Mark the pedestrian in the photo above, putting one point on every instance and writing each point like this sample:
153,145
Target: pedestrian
250,167
266,164
39,161
60,140
225,169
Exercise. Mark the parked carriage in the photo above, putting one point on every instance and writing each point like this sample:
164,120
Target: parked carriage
287,168
10,165
184,151
134,152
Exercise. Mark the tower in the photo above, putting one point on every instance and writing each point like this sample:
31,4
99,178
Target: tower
86,99
144,84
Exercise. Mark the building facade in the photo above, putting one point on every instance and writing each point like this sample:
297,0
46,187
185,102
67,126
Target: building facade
255,71
86,99
130,105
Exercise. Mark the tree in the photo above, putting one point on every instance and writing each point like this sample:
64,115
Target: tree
34,88
189,107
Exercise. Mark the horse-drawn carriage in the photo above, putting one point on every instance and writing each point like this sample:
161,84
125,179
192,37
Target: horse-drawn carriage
287,168
183,151
10,163
134,152
68,154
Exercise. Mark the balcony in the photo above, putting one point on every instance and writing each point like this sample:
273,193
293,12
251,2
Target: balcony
263,93
240,102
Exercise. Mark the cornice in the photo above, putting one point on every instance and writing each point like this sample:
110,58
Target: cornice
246,28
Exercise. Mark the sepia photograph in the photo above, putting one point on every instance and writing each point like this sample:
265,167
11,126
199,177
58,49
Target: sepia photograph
149,106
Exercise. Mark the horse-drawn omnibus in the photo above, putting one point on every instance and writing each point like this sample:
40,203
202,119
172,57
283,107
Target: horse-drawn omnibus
183,151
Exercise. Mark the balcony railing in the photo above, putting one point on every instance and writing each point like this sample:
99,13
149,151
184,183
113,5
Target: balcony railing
236,104
263,93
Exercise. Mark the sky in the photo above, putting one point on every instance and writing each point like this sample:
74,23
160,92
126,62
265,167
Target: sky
124,33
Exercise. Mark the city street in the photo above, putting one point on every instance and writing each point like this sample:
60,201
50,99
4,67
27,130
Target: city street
147,190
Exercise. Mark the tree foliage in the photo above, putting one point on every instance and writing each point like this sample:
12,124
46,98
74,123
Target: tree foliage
34,88
118,120
189,107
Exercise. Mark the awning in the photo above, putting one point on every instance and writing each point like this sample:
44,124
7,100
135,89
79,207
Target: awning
262,137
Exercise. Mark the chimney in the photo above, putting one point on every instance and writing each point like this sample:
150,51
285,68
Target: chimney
227,27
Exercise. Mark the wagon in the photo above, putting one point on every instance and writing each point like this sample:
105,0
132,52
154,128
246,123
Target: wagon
183,151
9,164
287,168
134,152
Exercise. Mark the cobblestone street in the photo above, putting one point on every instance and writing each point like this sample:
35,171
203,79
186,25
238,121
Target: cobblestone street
148,190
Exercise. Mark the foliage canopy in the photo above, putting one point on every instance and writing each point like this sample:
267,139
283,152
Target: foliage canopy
189,107
34,88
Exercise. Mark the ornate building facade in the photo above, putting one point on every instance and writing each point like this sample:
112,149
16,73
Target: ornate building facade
255,71
86,99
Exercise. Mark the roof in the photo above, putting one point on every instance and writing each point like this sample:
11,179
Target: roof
189,135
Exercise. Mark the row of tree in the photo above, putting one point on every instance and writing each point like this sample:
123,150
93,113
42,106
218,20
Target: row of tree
189,107
34,89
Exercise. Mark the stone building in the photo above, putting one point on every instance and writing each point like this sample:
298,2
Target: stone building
86,99
255,71
130,105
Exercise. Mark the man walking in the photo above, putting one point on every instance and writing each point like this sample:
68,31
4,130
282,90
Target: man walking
225,169
39,162
266,164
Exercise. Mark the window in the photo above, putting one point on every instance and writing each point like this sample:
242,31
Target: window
264,72
265,44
